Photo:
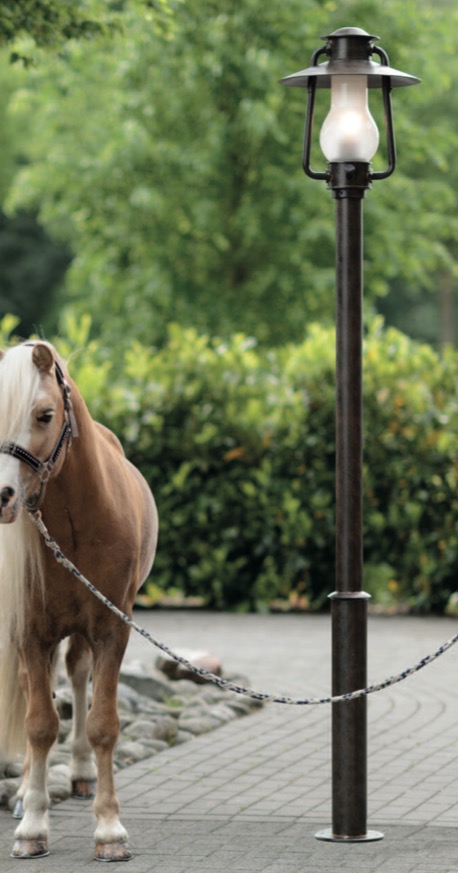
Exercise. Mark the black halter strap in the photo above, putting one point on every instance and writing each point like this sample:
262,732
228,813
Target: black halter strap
43,469
38,466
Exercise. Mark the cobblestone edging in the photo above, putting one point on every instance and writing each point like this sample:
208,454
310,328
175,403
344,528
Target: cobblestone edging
156,713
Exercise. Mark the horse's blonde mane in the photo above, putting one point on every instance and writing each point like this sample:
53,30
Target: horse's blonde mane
19,383
20,547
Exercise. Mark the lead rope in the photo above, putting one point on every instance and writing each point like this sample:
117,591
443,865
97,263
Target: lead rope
217,680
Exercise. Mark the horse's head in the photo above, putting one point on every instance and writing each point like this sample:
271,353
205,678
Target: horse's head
35,413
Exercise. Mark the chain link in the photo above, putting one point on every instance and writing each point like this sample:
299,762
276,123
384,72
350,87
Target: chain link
218,680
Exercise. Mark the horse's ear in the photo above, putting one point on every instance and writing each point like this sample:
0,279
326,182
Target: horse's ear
42,357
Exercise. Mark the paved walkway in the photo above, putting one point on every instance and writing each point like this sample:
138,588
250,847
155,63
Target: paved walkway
249,797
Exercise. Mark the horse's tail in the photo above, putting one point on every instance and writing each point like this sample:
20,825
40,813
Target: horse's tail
12,704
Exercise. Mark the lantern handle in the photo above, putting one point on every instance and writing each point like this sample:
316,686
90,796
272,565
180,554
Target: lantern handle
309,121
391,143
376,50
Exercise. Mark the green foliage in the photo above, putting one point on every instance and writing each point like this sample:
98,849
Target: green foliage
50,24
31,268
8,325
238,446
168,158
411,465
176,167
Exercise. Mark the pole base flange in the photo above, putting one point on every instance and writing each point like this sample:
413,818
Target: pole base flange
329,836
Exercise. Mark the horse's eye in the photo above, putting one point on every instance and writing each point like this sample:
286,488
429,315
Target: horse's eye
45,417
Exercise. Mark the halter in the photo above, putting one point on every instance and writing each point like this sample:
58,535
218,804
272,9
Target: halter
43,469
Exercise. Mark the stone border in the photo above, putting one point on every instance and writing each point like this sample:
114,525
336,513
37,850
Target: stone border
156,713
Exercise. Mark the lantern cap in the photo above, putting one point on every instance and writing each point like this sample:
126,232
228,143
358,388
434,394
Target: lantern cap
349,50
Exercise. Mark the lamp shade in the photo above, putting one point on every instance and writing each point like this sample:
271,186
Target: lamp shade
349,50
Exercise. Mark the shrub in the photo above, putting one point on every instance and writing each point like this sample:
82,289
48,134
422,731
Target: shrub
238,445
411,467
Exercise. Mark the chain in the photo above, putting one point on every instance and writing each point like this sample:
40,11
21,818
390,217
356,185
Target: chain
218,680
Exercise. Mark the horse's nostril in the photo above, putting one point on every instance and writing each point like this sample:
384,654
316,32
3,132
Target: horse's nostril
6,495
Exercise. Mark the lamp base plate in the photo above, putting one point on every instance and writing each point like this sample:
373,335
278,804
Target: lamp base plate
329,836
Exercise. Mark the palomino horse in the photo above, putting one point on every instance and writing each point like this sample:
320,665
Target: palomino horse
55,457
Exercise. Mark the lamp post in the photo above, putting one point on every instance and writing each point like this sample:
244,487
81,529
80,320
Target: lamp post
349,139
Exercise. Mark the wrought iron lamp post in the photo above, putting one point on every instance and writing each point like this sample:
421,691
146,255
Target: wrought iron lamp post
349,139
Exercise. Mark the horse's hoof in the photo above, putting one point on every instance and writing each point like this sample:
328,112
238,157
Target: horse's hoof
18,810
113,851
30,849
83,788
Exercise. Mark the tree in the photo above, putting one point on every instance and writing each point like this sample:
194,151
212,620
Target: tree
176,168
32,267
52,23
48,22
31,263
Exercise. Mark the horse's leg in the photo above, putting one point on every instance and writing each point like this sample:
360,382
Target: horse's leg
103,730
42,725
79,665
18,811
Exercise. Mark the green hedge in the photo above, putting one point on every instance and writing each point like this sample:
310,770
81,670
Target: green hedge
238,446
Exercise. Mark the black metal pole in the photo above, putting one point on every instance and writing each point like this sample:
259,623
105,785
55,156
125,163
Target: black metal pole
349,602
349,411
349,620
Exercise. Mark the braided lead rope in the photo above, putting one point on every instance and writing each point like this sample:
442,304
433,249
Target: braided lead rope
218,680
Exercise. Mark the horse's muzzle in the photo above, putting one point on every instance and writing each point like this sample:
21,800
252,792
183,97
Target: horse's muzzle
9,505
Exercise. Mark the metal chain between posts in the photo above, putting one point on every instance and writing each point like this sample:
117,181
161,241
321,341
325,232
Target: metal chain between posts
218,680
